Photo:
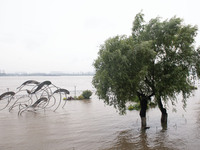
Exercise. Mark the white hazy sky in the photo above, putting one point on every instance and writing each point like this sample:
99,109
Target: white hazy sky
65,35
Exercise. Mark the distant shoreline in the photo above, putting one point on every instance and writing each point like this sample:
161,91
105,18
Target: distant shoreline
46,74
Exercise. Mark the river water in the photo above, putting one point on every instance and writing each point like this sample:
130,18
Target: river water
92,125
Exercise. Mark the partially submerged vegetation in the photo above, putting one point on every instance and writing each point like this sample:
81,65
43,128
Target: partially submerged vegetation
136,106
85,95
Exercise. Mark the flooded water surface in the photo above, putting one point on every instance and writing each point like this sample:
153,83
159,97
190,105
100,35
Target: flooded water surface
92,125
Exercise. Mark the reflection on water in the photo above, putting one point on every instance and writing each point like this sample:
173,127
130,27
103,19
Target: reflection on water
145,140
91,125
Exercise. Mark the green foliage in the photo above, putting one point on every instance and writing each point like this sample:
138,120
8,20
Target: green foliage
152,105
135,99
175,52
130,107
120,67
157,60
86,94
134,107
137,107
80,97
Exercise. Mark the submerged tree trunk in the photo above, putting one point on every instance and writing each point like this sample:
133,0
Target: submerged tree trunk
164,113
143,104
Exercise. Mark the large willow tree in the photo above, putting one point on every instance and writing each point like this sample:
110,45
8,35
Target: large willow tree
155,63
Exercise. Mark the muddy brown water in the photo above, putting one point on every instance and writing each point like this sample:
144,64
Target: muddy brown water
91,125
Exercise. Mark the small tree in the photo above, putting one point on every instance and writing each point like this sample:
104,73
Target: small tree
120,71
86,94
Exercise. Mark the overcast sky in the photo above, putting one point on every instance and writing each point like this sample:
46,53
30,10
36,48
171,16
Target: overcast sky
65,35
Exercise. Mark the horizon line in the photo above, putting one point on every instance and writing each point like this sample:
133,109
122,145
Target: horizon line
48,74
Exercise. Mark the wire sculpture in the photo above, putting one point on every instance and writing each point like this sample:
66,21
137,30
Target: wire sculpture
32,96
8,96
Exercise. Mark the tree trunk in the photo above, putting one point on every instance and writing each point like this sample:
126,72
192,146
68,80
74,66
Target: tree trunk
143,104
164,114
143,123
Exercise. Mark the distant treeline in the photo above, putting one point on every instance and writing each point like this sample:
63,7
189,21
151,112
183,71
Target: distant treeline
47,74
